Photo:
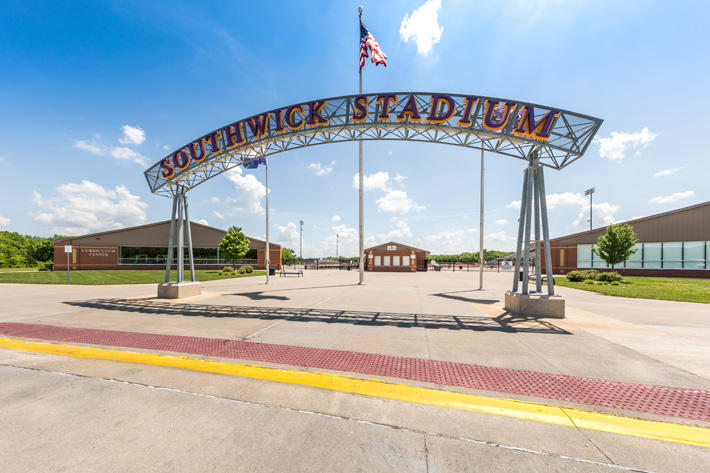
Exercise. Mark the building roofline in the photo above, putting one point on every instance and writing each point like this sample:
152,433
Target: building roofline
395,243
118,230
635,220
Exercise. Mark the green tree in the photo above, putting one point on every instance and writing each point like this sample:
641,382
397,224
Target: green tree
288,256
617,244
234,245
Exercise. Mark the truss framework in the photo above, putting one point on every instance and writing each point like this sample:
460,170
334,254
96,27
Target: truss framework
570,135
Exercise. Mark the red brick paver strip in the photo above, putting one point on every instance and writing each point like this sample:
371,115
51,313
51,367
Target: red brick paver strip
661,400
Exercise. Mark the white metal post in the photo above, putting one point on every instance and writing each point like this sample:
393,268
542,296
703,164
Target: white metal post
526,241
181,231
361,225
266,167
189,240
481,257
536,204
521,228
171,241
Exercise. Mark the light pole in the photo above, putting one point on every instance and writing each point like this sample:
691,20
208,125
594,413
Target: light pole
300,241
589,192
337,241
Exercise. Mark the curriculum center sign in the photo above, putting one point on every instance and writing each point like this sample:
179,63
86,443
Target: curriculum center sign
504,126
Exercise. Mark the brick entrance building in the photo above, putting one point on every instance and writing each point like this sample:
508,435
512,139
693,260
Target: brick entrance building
145,247
395,257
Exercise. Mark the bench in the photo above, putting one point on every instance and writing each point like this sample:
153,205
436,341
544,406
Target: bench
285,273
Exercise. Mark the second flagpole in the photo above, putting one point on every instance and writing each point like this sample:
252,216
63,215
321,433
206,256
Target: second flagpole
361,265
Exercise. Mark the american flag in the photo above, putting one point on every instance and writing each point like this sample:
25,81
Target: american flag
369,47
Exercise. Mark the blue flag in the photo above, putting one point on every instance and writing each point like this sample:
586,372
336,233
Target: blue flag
255,163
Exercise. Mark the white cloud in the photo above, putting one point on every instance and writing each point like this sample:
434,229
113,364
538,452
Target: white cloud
399,178
674,197
218,215
336,218
615,146
423,26
88,207
126,154
378,180
119,152
501,222
667,172
91,147
322,170
399,230
565,198
166,147
603,211
451,241
202,221
288,235
397,202
4,221
513,205
251,191
500,241
214,200
132,135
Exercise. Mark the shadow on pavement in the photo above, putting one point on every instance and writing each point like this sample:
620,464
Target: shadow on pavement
503,323
448,295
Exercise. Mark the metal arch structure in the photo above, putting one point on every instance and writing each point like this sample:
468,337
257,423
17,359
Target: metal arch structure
542,136
558,137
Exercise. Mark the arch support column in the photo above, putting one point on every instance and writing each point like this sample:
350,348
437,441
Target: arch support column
180,223
542,301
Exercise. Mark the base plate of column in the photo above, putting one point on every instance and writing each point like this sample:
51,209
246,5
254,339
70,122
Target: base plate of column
178,290
535,305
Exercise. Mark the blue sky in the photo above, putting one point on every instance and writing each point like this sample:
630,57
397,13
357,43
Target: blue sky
93,92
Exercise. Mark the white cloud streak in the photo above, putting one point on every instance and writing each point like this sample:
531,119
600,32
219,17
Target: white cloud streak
322,170
251,191
422,26
397,202
616,145
667,172
379,180
132,135
674,197
4,221
88,207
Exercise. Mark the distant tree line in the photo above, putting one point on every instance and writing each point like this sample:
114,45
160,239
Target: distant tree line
466,257
18,251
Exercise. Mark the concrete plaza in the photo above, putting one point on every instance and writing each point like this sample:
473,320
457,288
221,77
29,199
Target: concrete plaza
71,413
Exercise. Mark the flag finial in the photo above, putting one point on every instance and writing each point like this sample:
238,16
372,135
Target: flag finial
359,10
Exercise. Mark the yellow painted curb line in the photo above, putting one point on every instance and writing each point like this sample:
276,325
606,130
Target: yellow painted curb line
567,416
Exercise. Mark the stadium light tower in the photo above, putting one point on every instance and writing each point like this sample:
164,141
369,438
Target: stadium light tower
337,241
589,192
300,241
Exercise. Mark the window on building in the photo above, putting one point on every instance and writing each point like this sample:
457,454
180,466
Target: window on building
584,256
378,261
673,255
634,261
391,248
385,261
395,260
694,255
652,255
405,260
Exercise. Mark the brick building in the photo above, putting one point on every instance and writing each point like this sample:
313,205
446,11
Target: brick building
673,244
395,257
145,247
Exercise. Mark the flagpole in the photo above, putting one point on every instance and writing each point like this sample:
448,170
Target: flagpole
266,166
481,258
361,266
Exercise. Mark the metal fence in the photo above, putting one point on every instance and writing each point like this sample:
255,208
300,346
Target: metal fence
141,260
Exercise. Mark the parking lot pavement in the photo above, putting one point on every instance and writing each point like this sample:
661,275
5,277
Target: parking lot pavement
429,316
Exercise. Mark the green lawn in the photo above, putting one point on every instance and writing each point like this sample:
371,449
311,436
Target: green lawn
668,289
110,277
14,270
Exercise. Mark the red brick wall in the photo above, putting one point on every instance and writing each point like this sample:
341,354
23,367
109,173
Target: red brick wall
413,263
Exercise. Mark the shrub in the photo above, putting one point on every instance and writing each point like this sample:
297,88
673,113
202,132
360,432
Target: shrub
616,283
45,266
609,276
228,269
581,275
243,270
589,281
248,269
